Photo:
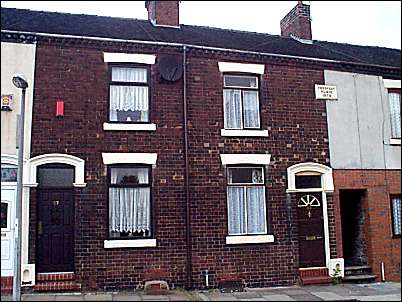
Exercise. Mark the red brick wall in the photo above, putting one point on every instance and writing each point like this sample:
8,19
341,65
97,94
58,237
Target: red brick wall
296,123
379,185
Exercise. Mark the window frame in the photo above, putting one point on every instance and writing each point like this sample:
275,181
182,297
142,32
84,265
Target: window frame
246,185
149,185
134,84
392,197
395,91
242,89
9,166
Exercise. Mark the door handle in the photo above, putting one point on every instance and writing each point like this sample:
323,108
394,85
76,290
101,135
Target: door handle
40,228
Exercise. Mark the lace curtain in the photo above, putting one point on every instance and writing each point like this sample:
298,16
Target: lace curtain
234,109
246,216
396,211
129,208
251,109
395,108
129,98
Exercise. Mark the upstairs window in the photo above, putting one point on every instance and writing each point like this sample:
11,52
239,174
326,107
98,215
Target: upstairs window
246,201
394,98
241,102
129,94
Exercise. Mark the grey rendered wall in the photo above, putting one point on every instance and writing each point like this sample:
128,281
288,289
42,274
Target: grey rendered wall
359,123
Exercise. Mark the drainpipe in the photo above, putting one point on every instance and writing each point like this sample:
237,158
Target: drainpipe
189,281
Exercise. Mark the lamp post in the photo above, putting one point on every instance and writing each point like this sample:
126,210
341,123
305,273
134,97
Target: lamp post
19,82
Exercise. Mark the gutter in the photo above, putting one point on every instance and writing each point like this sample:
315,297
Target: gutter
196,47
189,280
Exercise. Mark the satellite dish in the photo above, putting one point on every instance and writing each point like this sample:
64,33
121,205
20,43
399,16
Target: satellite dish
170,68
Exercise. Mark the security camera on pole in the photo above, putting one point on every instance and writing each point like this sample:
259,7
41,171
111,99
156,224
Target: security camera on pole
20,82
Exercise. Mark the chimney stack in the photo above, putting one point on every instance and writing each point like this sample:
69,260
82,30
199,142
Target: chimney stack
297,22
163,13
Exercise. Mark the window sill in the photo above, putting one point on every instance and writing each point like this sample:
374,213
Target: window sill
244,133
112,244
249,239
395,141
128,127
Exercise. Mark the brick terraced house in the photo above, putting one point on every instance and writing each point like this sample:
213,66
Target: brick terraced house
203,156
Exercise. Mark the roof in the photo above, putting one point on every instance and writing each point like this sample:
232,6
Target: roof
134,29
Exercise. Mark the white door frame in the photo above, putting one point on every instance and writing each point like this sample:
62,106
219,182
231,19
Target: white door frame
327,185
8,233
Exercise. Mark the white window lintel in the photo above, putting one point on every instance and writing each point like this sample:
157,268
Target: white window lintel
241,67
252,159
110,57
388,84
129,158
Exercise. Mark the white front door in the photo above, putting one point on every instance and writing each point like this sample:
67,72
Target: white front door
8,198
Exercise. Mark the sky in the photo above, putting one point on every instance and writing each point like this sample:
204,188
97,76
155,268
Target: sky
374,23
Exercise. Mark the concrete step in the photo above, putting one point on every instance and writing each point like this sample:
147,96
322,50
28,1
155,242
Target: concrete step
359,278
357,269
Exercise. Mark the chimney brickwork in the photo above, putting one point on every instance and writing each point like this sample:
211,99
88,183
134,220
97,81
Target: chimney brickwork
163,13
297,22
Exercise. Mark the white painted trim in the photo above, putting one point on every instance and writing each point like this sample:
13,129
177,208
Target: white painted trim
304,190
241,67
32,164
326,228
326,176
129,158
10,159
253,159
392,83
395,141
128,58
244,133
129,127
112,244
249,239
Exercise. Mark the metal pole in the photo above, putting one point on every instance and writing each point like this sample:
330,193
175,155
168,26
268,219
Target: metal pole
18,221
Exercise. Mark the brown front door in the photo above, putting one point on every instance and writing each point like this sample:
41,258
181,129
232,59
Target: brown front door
55,230
311,229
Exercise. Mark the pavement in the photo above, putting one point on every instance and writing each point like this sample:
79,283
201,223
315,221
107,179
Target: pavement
384,291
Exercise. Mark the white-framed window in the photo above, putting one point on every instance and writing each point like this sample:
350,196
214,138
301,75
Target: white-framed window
241,101
394,98
396,215
129,201
246,200
9,173
129,93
